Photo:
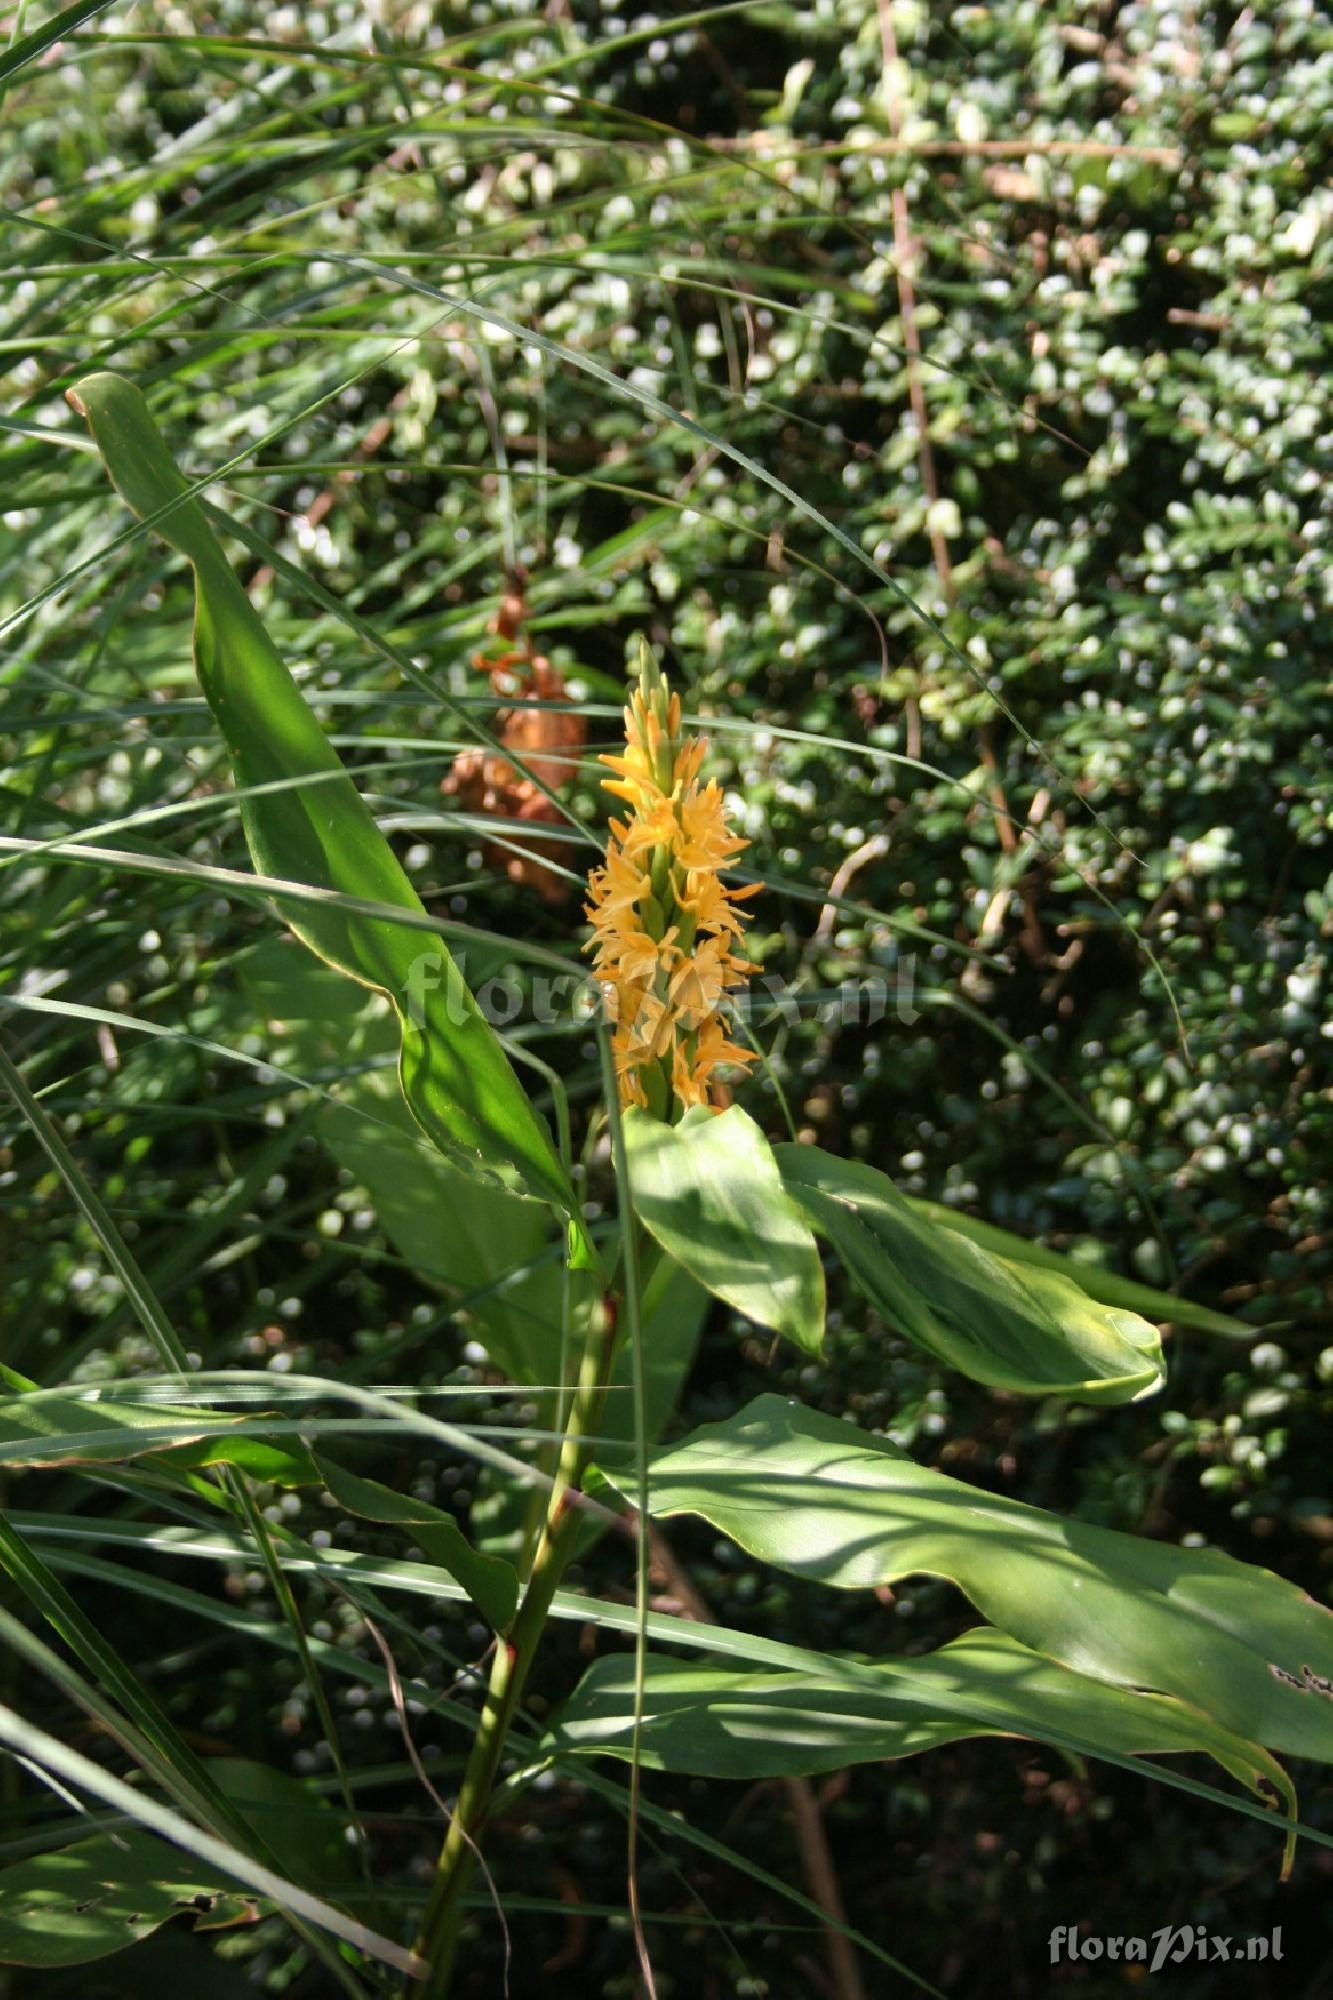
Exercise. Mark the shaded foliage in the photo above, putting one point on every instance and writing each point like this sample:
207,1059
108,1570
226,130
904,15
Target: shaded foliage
1112,739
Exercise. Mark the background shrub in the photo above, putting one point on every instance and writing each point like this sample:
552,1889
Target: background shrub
1099,760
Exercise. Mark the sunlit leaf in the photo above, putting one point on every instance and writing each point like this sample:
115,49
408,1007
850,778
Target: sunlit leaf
1014,1326
75,1904
1108,1287
472,1237
712,1721
755,1650
824,1500
44,1430
709,1191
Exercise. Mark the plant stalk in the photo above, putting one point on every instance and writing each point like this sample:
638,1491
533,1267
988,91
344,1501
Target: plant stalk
437,1940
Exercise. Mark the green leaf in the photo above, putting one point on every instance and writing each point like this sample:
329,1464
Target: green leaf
473,1237
115,1699
19,54
75,1904
1019,1327
72,1768
708,1190
53,1430
304,1833
567,1605
712,1721
1105,1286
475,1240
490,1582
817,1497
312,826
673,1309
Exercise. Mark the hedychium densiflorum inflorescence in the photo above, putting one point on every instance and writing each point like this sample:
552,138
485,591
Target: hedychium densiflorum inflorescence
665,926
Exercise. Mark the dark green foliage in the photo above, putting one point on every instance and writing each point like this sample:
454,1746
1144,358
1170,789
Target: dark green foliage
1112,741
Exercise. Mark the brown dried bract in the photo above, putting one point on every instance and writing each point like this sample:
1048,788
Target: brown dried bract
549,743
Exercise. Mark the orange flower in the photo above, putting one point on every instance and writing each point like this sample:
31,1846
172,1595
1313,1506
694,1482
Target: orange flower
664,924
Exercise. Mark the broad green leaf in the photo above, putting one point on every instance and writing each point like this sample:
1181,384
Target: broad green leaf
43,1430
312,826
69,1533
302,1830
1014,1326
815,1496
672,1317
71,1768
478,1241
474,1238
673,1311
714,1722
453,1230
1105,1286
491,1583
75,1904
116,1698
708,1190
415,1579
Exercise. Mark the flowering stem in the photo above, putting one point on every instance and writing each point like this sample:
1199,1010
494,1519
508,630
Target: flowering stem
665,931
437,1940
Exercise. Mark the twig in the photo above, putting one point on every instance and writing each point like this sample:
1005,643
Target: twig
869,850
958,149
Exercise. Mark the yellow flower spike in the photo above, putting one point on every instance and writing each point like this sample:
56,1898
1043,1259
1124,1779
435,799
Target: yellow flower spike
664,924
